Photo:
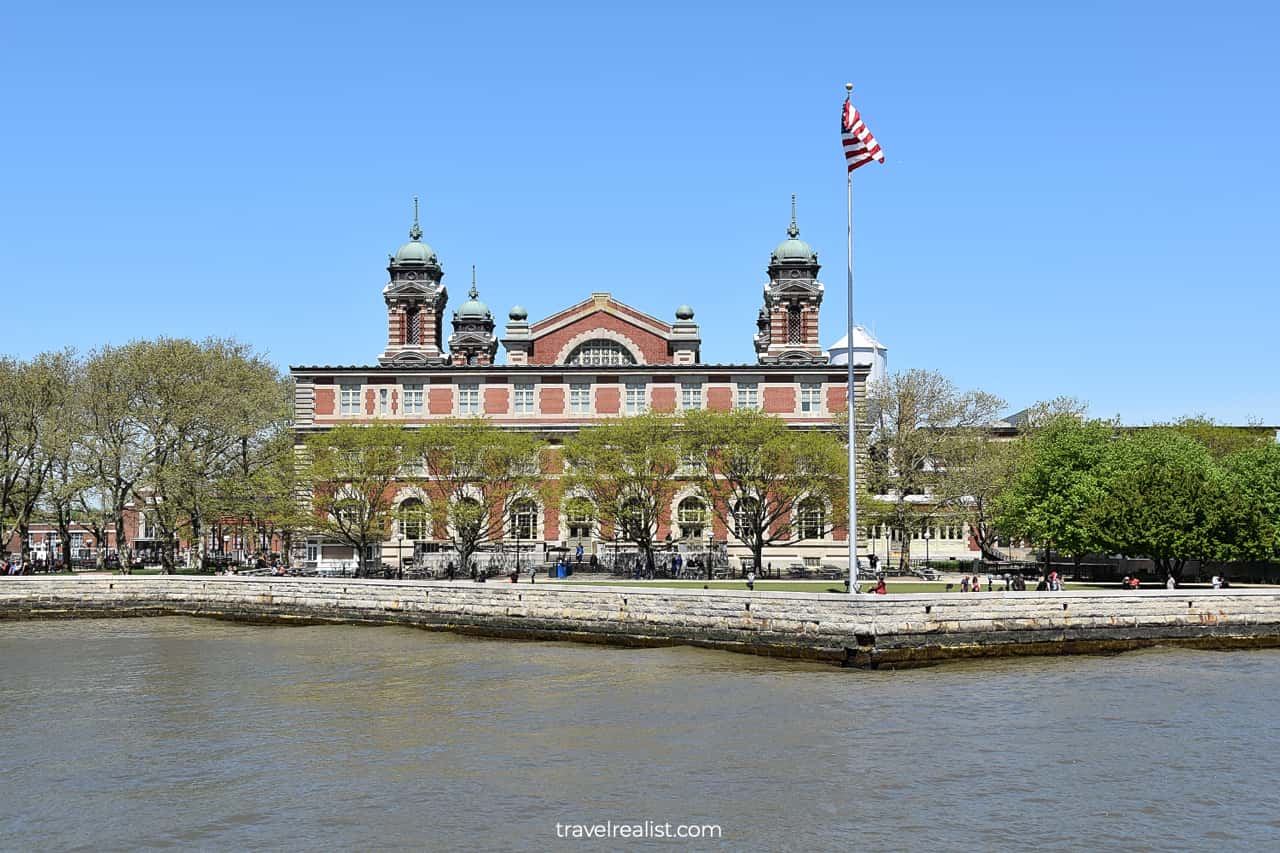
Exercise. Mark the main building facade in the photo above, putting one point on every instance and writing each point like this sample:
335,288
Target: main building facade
598,359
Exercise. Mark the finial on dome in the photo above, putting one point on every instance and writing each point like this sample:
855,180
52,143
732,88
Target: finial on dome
474,293
793,231
415,233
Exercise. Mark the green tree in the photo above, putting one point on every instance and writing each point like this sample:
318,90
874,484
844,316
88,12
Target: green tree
34,419
915,419
981,465
349,473
1249,509
1052,493
628,469
1222,440
477,473
1156,493
769,484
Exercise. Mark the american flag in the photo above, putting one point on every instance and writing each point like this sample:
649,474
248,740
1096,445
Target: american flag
860,147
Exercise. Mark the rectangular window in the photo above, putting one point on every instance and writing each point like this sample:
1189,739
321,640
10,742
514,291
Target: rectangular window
636,399
384,400
795,325
412,327
413,399
468,398
810,397
523,402
690,396
580,398
349,400
748,395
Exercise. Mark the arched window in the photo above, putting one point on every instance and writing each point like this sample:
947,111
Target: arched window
524,519
411,519
691,514
600,351
744,518
811,518
580,514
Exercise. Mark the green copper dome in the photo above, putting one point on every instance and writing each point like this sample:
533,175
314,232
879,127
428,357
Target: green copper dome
793,250
473,308
415,251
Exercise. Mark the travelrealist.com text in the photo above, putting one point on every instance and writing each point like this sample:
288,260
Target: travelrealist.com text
644,829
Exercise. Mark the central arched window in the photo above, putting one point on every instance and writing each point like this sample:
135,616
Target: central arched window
600,351
411,518
692,517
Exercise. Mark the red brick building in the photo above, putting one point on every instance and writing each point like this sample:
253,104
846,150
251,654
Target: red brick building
600,358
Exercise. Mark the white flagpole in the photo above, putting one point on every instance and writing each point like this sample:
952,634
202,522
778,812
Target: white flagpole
852,398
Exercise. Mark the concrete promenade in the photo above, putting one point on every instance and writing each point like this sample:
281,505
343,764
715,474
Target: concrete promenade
864,630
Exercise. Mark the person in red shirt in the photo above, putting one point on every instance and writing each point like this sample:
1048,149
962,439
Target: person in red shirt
880,590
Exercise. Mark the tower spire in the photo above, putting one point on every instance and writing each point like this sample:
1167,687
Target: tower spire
793,231
474,293
415,233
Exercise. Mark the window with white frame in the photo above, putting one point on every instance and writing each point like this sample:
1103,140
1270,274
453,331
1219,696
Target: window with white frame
413,399
810,397
411,519
468,398
692,517
524,519
748,395
637,399
580,398
348,399
522,403
690,396
384,400
744,518
811,518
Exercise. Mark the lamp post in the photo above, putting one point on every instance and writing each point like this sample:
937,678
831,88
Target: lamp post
399,540
926,549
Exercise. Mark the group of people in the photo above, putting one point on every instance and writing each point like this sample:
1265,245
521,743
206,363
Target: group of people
11,567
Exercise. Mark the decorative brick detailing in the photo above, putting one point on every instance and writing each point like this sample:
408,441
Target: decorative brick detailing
369,401
779,401
719,399
664,399
324,401
496,401
551,401
608,400
653,348
440,401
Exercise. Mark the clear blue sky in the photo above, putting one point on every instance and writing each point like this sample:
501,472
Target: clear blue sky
1080,201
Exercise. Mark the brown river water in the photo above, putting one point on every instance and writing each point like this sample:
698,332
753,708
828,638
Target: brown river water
194,734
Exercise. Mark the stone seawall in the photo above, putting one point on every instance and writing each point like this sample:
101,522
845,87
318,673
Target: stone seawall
861,630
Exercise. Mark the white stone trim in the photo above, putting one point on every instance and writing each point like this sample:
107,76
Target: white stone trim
601,334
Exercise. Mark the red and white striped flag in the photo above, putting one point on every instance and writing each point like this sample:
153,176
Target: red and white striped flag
860,147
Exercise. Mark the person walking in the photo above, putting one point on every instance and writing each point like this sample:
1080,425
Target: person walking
964,584
1216,583
751,579
1170,583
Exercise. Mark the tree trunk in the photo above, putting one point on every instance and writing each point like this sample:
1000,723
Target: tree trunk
24,543
904,554
121,552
